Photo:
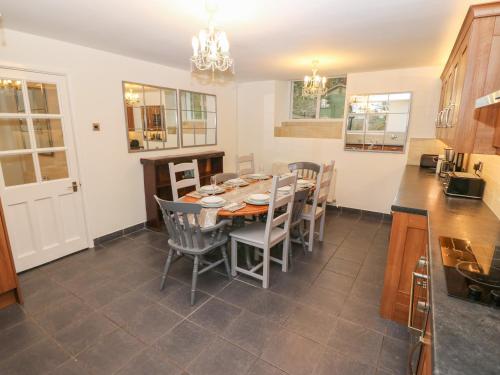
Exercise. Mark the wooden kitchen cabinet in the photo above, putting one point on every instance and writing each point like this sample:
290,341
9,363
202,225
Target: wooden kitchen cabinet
407,244
472,71
9,284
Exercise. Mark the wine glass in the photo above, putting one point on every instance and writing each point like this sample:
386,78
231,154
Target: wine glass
213,185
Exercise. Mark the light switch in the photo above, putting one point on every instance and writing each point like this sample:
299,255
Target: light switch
96,126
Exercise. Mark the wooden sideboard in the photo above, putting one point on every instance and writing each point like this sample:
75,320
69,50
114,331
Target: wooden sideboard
9,284
157,179
472,71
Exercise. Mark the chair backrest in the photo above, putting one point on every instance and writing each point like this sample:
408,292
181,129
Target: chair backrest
245,164
323,181
181,220
305,169
278,200
299,201
220,178
185,182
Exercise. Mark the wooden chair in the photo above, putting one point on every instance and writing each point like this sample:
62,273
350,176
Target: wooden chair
266,235
189,239
305,169
299,203
312,212
193,180
220,178
245,164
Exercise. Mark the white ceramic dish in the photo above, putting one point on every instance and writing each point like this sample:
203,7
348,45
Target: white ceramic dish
237,182
210,189
212,200
259,197
256,203
258,176
285,189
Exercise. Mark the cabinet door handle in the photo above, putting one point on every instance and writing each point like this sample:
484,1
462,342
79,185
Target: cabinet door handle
414,277
449,115
438,119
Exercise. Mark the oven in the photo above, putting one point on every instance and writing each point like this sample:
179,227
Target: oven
419,311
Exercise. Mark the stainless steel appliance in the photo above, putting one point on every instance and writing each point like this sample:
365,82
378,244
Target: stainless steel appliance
419,312
472,273
465,185
428,161
448,164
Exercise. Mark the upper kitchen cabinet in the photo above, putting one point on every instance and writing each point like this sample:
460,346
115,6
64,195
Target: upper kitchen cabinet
472,70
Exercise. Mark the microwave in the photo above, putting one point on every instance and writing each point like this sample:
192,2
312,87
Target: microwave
468,185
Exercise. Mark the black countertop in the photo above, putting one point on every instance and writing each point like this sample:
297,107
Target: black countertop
466,336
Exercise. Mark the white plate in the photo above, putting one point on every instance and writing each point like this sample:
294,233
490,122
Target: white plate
236,182
285,189
219,205
258,176
303,182
256,203
259,197
212,200
211,189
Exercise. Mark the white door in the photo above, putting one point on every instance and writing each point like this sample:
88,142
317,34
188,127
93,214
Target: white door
39,182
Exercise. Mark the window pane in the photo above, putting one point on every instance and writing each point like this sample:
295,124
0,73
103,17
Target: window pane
376,122
48,133
210,103
303,107
332,104
43,97
136,140
355,140
169,98
13,134
53,165
187,137
18,169
399,105
356,123
211,120
397,122
211,137
11,96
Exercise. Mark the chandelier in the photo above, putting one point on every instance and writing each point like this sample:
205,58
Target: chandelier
132,97
211,49
314,85
8,83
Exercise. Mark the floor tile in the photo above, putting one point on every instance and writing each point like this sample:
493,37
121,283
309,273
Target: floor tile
239,293
292,353
45,298
71,367
367,292
250,332
311,323
180,300
350,254
363,314
325,300
149,362
261,367
138,277
104,294
148,256
184,343
81,334
61,316
372,273
222,357
393,355
152,290
39,358
110,353
125,308
343,267
11,315
19,337
356,341
334,282
334,363
272,306
397,331
215,315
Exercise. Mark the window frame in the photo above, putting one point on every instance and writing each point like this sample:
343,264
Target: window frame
204,114
318,103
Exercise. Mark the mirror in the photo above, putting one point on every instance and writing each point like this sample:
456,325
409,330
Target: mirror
151,115
198,119
378,122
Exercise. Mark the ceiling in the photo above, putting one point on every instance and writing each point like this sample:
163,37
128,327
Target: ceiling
270,39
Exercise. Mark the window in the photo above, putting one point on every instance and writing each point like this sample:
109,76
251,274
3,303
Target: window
378,122
328,106
198,119
151,114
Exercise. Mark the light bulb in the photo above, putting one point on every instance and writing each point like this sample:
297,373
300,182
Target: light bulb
203,39
196,45
306,79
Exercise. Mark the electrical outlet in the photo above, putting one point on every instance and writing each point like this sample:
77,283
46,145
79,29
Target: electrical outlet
96,126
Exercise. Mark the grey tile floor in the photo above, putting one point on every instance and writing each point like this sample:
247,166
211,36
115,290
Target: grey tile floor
100,312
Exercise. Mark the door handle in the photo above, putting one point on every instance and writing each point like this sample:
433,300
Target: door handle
74,186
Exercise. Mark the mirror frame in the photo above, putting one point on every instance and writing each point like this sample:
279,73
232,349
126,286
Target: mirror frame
130,151
181,119
348,113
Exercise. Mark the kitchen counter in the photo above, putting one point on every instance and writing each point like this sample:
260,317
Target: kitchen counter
466,336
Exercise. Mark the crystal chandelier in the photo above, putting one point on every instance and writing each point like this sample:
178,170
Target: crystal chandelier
132,97
8,83
211,49
314,85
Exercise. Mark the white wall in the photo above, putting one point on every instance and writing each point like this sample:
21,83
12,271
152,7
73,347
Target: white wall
112,178
367,181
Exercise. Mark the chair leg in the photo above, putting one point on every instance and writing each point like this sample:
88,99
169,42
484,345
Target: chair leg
286,249
265,268
226,261
290,254
194,279
165,269
301,235
322,225
234,256
247,256
311,234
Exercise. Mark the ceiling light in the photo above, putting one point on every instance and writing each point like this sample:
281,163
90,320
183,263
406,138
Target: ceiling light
314,85
131,97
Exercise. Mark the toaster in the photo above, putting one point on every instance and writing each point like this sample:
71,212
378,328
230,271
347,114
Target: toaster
428,161
468,185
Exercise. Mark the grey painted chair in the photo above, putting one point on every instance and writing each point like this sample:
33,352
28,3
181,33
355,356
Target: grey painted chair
266,235
317,210
188,239
305,169
299,202
220,178
192,169
245,164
